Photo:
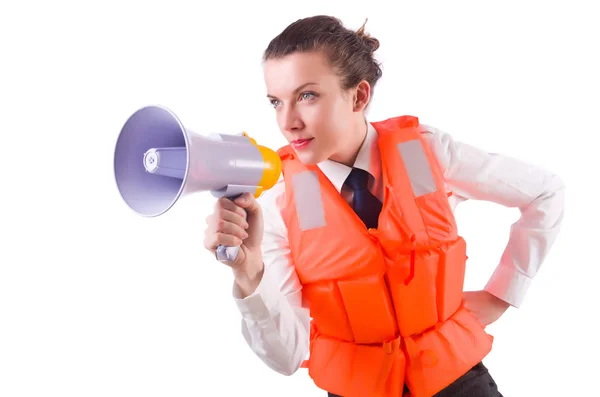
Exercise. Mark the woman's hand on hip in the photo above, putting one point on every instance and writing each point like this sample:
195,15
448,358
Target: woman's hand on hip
485,306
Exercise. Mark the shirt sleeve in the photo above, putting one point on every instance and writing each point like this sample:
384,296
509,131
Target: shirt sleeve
472,173
275,324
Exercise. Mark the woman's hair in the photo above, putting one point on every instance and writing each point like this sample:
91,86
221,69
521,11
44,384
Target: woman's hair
349,52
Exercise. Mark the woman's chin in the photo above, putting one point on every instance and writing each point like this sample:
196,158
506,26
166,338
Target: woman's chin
308,157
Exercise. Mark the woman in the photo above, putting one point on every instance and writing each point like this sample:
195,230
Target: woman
353,255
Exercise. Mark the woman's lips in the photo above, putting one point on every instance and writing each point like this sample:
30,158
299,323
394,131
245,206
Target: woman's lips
301,143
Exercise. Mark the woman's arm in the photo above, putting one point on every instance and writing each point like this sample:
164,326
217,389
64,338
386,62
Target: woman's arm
275,324
473,173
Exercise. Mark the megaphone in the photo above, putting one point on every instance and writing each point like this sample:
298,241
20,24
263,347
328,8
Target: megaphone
157,161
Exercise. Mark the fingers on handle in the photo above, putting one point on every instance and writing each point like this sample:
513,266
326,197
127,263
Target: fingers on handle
213,240
223,232
225,204
248,202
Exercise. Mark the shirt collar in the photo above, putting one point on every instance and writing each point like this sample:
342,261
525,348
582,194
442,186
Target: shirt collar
368,159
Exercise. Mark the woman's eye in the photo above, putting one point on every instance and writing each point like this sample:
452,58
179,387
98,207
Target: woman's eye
307,95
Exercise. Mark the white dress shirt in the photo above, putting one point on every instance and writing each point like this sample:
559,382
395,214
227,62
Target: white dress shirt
276,325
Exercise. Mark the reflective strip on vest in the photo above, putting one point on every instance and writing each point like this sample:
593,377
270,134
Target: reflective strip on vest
309,204
417,167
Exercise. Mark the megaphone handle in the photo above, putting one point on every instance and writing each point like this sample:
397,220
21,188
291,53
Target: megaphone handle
224,253
227,254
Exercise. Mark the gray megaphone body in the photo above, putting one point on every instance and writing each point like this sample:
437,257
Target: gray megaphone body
157,161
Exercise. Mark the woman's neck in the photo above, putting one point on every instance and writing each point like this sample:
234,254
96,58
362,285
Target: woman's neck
349,149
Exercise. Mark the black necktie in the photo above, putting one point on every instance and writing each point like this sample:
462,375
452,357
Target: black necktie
364,203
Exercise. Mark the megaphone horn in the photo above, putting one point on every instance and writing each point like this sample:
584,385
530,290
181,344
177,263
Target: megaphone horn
157,161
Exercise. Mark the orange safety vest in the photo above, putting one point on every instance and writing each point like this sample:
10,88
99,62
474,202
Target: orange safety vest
386,303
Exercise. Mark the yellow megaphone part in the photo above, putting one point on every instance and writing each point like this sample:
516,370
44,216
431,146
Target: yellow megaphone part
271,167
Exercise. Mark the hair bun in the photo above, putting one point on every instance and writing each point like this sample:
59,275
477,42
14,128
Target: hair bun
373,43
366,38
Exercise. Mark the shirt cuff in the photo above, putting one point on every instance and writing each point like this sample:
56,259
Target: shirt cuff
260,305
508,284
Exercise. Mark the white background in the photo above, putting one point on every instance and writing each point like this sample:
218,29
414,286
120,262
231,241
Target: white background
96,301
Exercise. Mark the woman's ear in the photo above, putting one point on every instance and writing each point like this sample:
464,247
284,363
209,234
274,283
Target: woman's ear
362,95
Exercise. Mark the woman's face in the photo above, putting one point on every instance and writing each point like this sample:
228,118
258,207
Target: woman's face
313,112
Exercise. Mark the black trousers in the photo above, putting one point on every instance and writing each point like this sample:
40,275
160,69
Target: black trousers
477,382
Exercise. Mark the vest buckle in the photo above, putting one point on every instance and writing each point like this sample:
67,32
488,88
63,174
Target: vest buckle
392,346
